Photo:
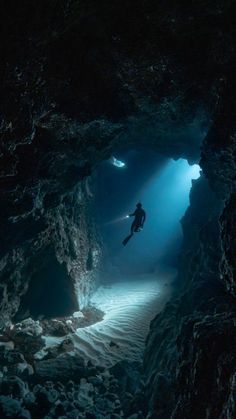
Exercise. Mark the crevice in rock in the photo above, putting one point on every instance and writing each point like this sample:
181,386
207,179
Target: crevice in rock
50,291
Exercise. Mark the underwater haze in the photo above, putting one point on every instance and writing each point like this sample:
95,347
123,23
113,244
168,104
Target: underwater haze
162,186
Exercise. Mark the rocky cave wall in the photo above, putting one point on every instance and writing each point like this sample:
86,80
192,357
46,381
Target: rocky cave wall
190,355
67,233
77,241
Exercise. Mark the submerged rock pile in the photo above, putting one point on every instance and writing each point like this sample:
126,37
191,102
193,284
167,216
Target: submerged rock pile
66,387
37,381
29,335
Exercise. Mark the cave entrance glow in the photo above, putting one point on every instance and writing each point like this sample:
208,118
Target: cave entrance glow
163,186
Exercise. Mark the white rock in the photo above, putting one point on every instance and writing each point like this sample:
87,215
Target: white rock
22,366
40,355
30,326
78,314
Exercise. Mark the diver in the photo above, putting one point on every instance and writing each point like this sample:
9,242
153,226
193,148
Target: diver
138,223
139,220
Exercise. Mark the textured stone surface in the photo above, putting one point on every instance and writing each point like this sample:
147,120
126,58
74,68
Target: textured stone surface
69,238
64,386
189,359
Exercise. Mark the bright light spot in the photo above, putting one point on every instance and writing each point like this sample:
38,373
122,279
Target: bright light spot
117,163
194,171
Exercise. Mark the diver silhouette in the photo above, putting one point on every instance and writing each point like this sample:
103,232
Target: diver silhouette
138,223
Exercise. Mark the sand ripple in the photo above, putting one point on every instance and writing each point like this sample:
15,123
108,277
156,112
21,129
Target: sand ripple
129,306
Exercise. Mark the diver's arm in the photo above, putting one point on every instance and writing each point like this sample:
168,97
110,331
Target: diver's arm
133,214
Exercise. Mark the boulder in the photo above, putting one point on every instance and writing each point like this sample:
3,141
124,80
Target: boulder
14,386
12,409
63,368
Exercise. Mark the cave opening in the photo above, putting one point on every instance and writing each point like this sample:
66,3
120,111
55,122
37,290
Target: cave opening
137,279
163,186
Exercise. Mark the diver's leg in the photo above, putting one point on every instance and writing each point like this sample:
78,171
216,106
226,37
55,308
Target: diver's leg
137,228
133,225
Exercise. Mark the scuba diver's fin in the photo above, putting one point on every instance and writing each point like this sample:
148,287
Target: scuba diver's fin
125,241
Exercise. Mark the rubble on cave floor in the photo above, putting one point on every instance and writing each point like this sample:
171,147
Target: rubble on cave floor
61,384
51,382
66,387
29,336
44,375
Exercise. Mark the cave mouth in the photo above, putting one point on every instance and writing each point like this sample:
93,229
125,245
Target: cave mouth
163,186
137,278
50,291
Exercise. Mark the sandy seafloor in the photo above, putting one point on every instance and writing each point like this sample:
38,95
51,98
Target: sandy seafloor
129,306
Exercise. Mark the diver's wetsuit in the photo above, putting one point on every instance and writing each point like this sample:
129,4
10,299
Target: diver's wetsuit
140,217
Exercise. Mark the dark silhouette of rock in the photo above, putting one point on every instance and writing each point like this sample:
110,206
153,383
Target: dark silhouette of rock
11,408
62,368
